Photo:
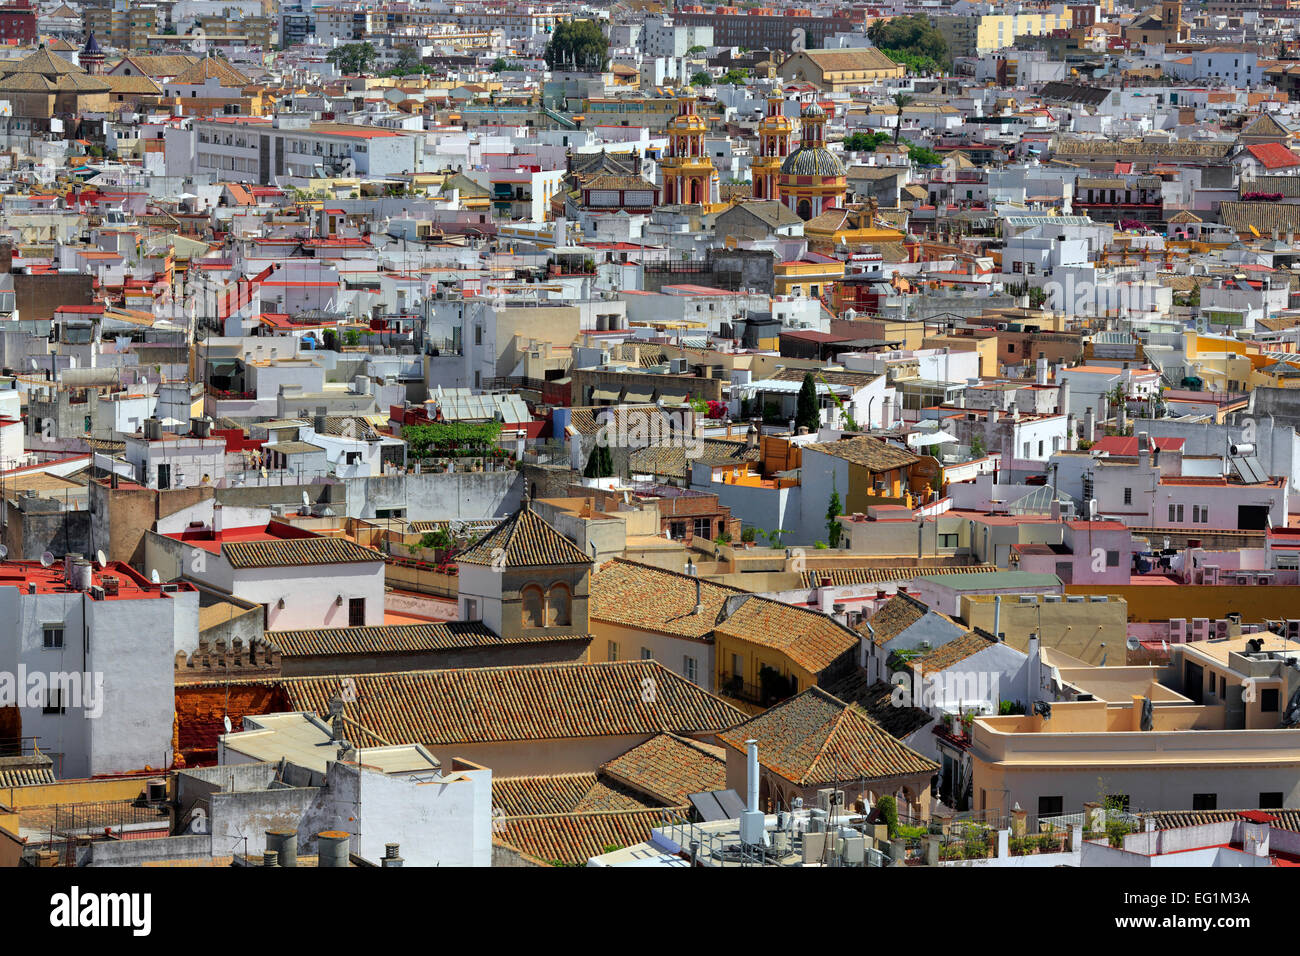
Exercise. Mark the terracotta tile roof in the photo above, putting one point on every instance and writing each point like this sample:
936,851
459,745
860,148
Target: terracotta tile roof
814,739
864,450
292,552
587,419
1170,819
841,577
653,599
531,702
560,793
523,540
571,839
953,652
877,701
894,617
400,639
808,638
672,461
669,769
26,771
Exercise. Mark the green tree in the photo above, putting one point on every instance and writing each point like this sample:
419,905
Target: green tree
977,448
833,527
694,50
806,412
353,58
498,65
735,77
578,45
408,61
600,463
915,35
701,78
864,142
923,156
901,101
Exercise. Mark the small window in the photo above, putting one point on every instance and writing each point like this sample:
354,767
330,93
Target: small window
52,635
1128,496
356,612
1205,801
1051,806
689,669
471,609
611,651
1271,800
1268,700
1112,559
646,654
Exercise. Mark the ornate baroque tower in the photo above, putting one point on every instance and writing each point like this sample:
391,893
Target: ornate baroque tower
775,137
92,57
688,173
813,179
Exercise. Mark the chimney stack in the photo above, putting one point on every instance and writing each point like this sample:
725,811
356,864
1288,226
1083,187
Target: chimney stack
1042,368
332,848
752,820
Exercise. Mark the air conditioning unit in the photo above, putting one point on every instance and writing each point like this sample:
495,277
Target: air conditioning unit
1051,599
1200,625
167,588
1243,579
1210,574
1074,599
1028,599
1220,628
1292,629
1098,598
1178,630
1263,579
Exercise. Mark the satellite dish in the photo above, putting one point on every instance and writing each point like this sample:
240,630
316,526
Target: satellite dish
153,576
4,552
306,502
47,559
100,559
226,720
34,365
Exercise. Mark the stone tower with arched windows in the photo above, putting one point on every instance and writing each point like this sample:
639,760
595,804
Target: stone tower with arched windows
775,140
524,579
688,173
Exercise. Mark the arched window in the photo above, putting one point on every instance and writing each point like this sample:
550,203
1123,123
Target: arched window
559,606
805,210
534,606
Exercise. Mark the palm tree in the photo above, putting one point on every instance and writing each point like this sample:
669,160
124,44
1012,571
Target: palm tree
901,100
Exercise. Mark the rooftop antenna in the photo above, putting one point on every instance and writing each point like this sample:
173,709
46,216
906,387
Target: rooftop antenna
47,559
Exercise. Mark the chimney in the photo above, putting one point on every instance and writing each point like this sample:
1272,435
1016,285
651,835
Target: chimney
997,616
840,614
153,428
1042,368
751,821
699,600
1071,426
1089,424
391,856
284,843
1144,450
1031,673
332,848
1063,396
217,522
